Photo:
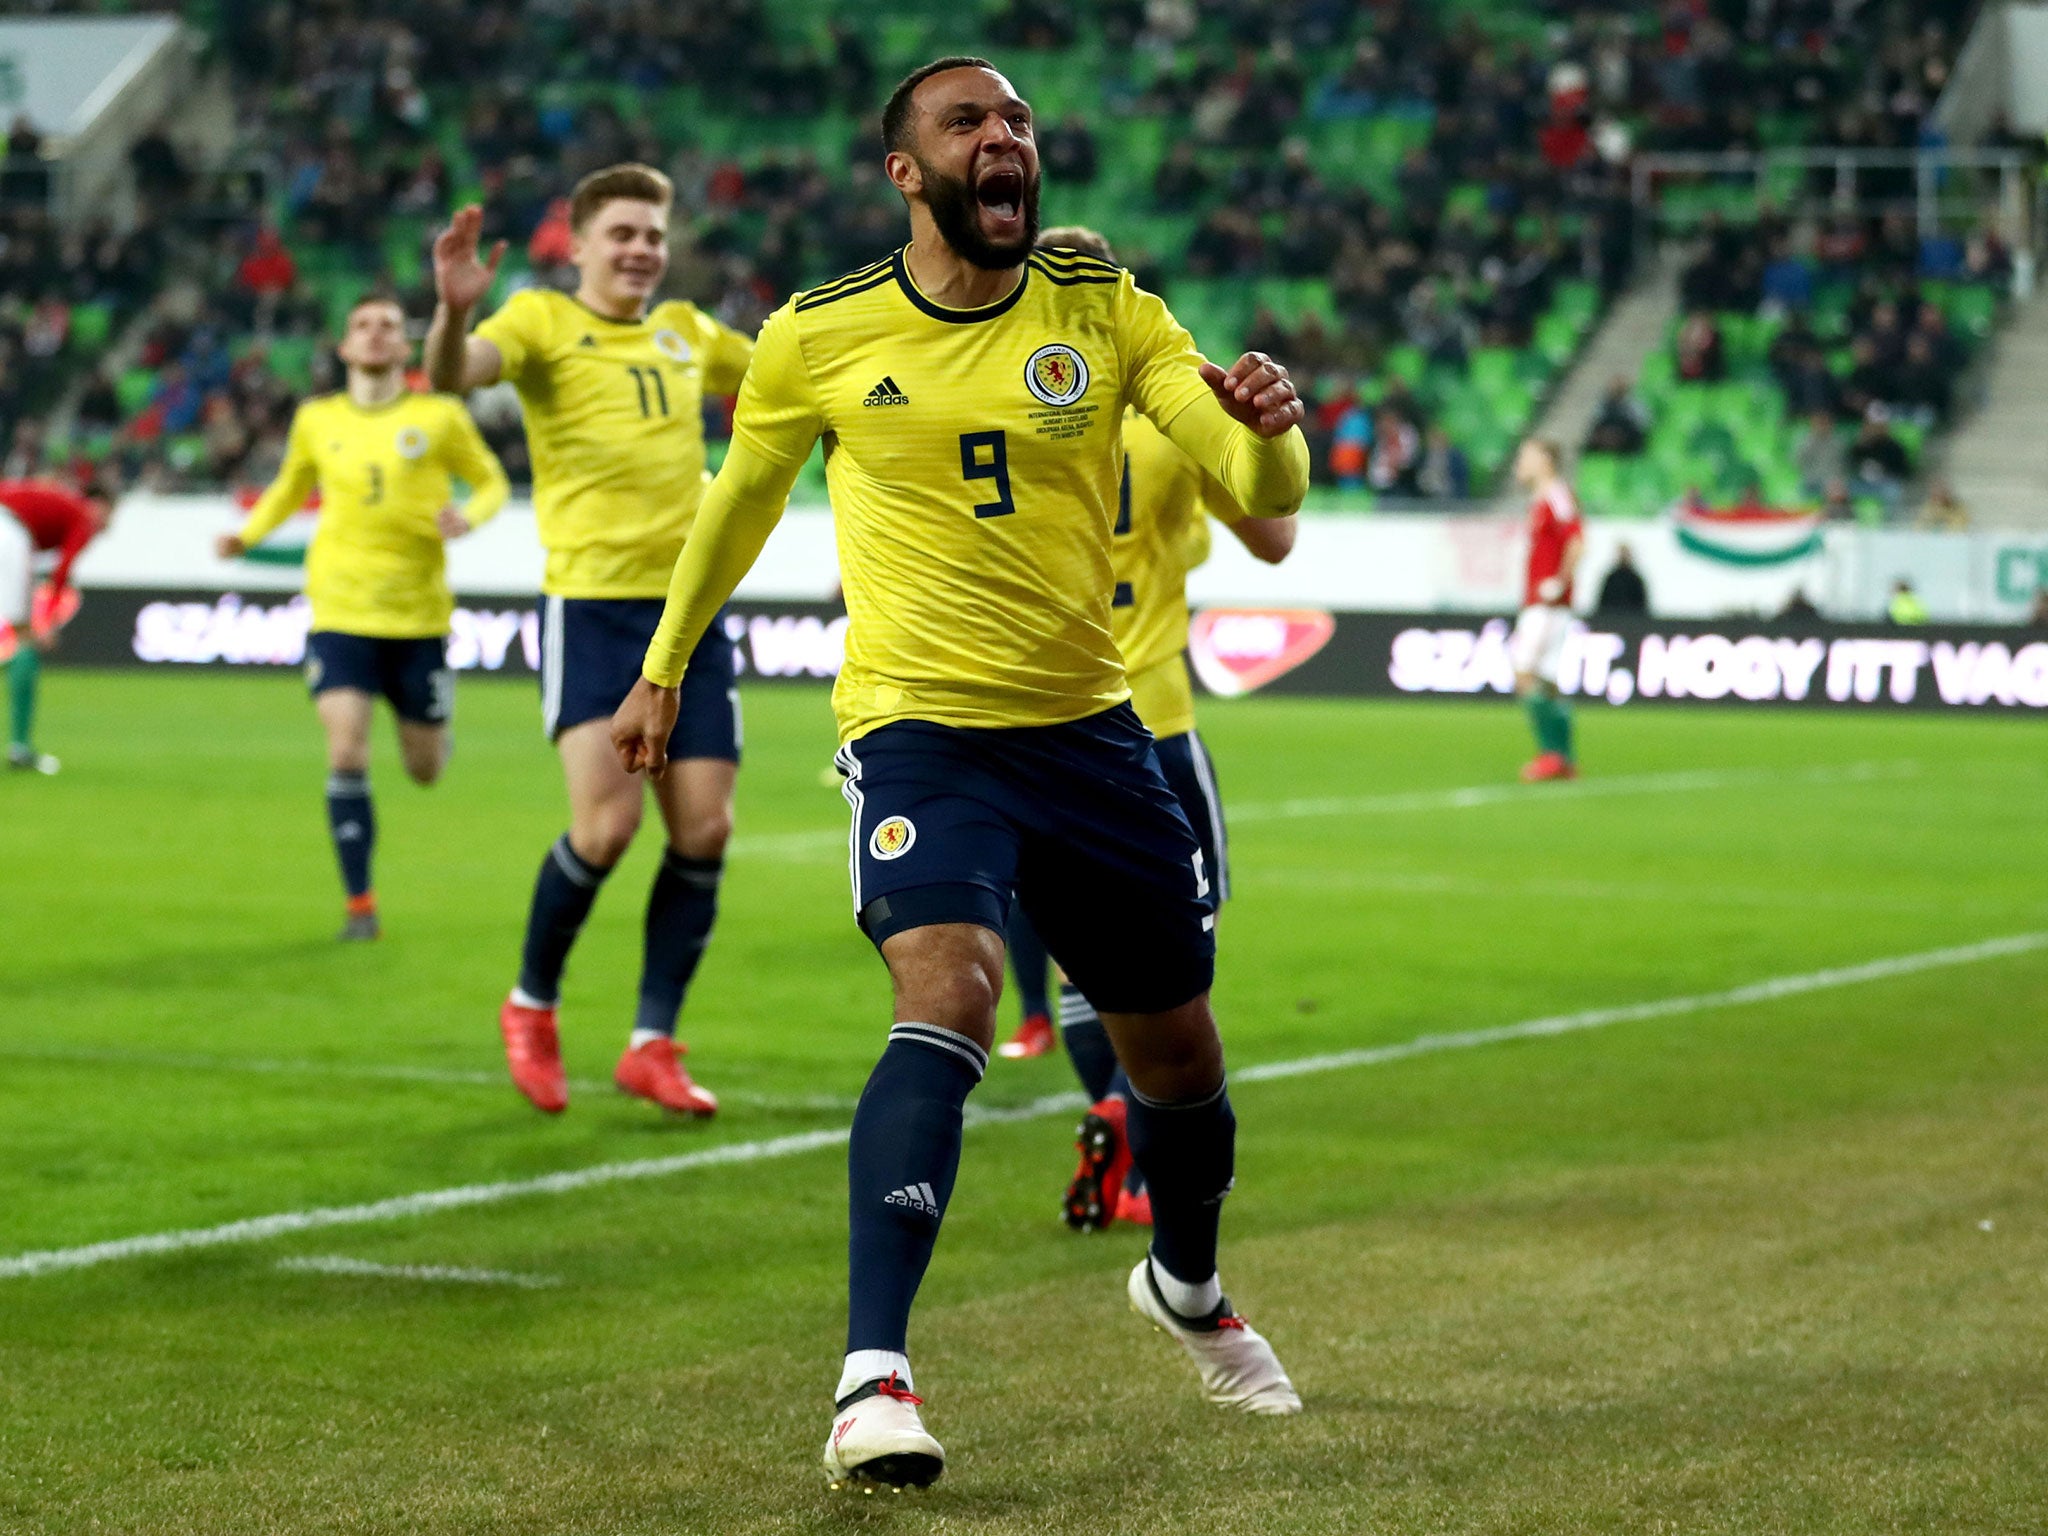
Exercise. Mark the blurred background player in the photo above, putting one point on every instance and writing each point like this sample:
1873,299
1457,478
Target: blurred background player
1162,533
612,385
1556,540
1032,967
985,729
383,458
38,517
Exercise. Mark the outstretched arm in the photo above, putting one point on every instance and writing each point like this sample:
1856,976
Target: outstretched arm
740,510
458,362
295,480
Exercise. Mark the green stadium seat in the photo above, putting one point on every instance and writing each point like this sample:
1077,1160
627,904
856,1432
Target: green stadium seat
90,325
1405,363
1972,309
1557,338
1578,299
1599,483
133,389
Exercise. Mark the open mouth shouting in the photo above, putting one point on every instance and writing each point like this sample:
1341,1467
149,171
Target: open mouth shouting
1000,192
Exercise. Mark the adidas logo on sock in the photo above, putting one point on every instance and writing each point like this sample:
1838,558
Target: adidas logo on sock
917,1197
886,393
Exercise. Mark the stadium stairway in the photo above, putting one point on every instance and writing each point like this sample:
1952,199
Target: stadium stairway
1997,460
1634,328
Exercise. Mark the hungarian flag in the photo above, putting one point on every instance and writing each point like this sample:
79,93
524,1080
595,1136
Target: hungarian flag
1749,534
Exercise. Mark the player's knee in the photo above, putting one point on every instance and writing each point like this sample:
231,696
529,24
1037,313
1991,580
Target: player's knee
960,996
602,836
1173,1057
425,768
703,834
348,757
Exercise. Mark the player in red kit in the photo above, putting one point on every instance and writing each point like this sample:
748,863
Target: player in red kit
1556,540
37,517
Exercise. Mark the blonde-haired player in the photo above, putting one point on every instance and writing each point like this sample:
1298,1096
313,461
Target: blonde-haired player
383,458
1162,533
612,383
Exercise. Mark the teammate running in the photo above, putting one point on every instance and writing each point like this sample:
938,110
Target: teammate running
376,573
1162,533
986,732
1556,540
612,384
38,517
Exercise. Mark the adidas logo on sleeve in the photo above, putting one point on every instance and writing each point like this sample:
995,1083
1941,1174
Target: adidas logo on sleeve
917,1197
886,393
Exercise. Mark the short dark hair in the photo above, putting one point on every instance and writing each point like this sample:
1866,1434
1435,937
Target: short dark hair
896,115
375,296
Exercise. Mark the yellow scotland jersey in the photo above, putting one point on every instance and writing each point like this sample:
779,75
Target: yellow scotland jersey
974,459
615,424
377,565
1161,535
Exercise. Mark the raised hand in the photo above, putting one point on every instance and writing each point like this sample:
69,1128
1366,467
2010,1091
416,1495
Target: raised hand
1256,391
460,279
229,546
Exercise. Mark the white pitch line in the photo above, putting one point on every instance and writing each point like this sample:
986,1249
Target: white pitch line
428,1202
830,845
433,1273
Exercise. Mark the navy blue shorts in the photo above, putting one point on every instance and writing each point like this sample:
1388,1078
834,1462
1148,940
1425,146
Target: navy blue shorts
1192,778
1076,820
591,652
413,674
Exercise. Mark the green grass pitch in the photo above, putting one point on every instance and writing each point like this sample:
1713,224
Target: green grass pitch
1768,1265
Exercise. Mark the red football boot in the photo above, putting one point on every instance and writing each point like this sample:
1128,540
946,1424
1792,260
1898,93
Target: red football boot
652,1072
1547,766
533,1052
1034,1037
1135,1208
1091,1202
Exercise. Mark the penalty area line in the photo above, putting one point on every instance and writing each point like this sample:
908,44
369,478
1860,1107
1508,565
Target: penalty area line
429,1202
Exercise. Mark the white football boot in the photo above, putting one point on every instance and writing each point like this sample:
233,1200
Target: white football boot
878,1442
1237,1366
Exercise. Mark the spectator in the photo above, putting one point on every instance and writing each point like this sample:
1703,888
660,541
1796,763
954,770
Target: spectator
1396,456
1702,357
1623,590
1878,462
1798,609
1922,389
1444,474
1943,510
1180,182
1622,425
1820,456
1906,606
2038,618
1068,152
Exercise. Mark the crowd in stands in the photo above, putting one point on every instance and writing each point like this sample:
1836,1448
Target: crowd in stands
1846,329
1429,179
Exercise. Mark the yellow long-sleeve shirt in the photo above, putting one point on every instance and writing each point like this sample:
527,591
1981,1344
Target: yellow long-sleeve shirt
377,565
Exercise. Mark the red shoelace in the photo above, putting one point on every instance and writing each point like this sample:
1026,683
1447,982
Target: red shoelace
903,1394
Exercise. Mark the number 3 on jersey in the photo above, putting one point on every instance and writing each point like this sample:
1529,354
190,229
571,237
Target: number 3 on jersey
986,456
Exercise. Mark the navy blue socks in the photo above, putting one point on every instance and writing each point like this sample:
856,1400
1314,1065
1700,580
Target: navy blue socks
1189,1155
680,911
1030,961
354,825
901,1162
561,901
1087,1042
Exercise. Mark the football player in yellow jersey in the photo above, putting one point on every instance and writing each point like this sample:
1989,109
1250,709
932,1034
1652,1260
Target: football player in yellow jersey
1162,533
971,395
612,384
382,458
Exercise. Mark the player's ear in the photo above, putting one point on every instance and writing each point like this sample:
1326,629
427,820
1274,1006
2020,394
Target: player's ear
905,174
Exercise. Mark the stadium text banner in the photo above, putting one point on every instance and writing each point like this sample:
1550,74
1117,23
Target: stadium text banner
1234,651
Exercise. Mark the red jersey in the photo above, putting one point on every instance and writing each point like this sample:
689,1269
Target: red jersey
55,519
1553,524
